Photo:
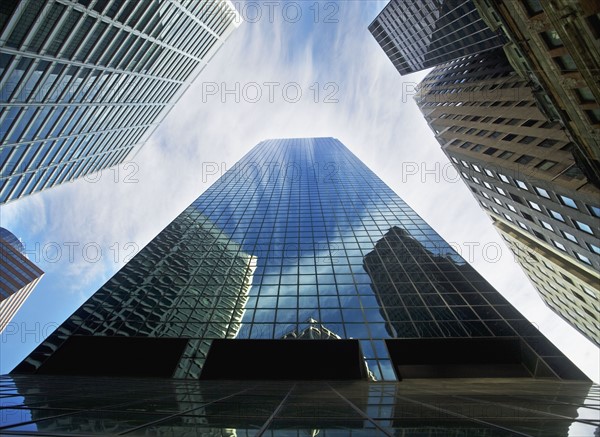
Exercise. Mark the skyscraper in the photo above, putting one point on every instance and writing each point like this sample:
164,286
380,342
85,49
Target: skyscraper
84,83
416,35
520,167
300,249
329,241
18,276
555,46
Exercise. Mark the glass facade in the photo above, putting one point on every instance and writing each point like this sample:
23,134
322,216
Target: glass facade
84,83
416,35
53,405
301,233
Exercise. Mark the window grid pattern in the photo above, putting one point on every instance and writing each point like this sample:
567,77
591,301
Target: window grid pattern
328,242
100,73
420,35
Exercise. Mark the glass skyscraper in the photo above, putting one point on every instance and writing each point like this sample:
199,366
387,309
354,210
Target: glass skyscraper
416,35
84,83
301,231
299,263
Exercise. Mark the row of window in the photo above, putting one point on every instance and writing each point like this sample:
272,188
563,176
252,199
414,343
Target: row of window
564,200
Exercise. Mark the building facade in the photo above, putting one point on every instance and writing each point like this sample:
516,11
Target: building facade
85,83
555,45
416,35
18,276
521,169
299,248
329,242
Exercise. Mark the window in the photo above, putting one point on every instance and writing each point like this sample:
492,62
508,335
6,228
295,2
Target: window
583,227
569,237
529,123
497,201
523,225
527,216
594,210
524,159
464,163
476,180
495,210
552,39
484,194
533,7
501,191
534,205
566,63
516,198
507,217
454,160
538,235
503,178
542,192
476,168
559,245
546,164
466,176
513,122
585,95
487,185
526,139
521,185
489,173
547,225
512,208
594,248
567,201
547,143
509,137
505,155
490,151
583,258
556,215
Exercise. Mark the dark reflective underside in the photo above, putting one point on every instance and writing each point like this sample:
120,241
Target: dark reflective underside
52,405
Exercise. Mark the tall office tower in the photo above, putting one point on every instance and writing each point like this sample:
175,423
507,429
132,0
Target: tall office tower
85,83
298,231
555,45
417,35
18,276
520,167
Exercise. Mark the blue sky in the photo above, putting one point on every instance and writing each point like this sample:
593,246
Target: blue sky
81,233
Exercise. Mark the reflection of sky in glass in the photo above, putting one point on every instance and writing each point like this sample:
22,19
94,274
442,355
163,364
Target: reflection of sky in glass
300,230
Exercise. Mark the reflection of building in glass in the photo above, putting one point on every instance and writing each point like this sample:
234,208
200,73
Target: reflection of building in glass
313,331
84,84
315,218
453,408
416,35
190,282
520,167
18,276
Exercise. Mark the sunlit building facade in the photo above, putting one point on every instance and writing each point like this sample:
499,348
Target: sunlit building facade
83,84
416,35
520,167
18,276
299,263
555,45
